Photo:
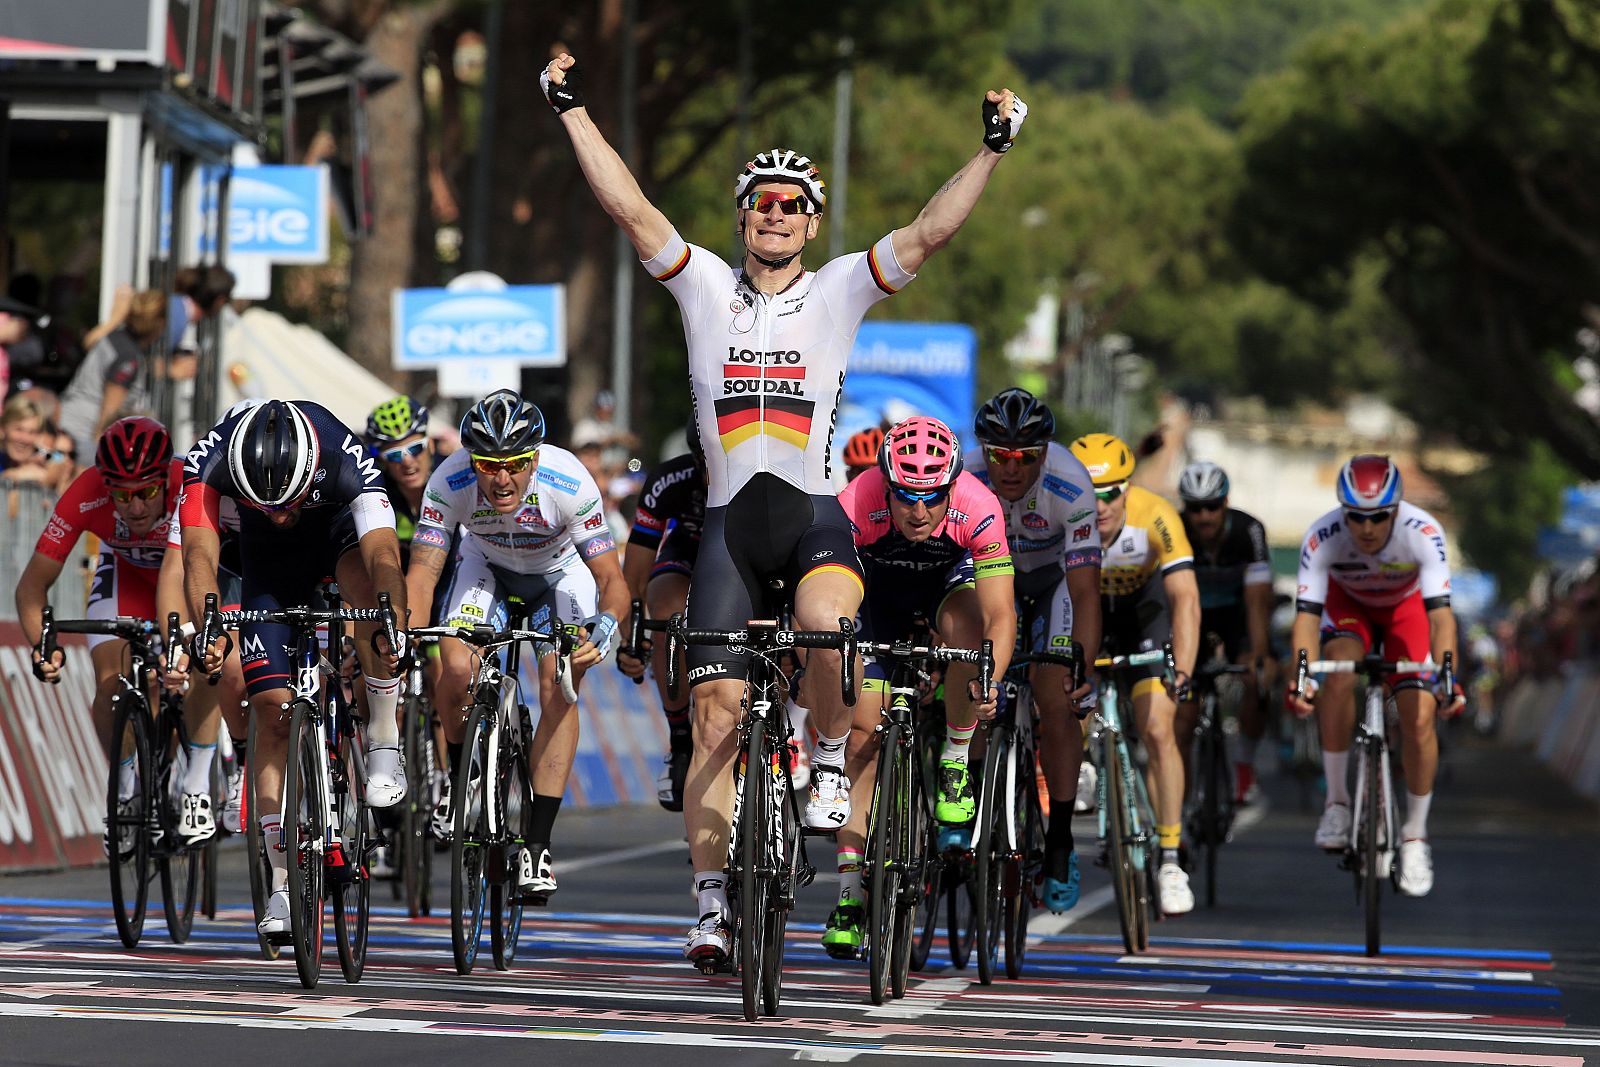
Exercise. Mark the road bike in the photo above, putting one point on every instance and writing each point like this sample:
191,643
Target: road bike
413,861
1374,815
1125,817
902,835
1211,774
767,861
492,795
327,828
142,839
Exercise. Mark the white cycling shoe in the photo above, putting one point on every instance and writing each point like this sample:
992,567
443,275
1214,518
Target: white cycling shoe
829,806
275,919
1416,867
234,804
1173,884
1333,832
386,777
536,877
196,825
710,942
1088,782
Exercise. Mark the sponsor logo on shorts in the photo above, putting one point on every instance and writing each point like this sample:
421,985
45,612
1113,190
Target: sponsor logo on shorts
1060,641
697,673
824,554
472,610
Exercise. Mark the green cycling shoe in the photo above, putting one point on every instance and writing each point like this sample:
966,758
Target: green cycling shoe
956,803
842,939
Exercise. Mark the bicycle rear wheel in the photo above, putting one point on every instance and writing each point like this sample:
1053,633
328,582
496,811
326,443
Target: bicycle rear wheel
991,851
178,866
260,868
1212,764
416,850
785,885
914,860
130,863
305,807
1126,881
961,911
1371,822
931,896
352,897
516,804
1024,870
882,867
469,844
753,851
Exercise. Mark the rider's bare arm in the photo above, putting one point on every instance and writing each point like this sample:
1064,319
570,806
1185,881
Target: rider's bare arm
636,564
33,592
201,548
1083,587
380,552
1442,634
422,577
611,588
614,186
1183,597
997,604
1258,618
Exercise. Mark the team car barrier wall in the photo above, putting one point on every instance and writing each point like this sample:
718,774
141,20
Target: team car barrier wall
1560,719
622,736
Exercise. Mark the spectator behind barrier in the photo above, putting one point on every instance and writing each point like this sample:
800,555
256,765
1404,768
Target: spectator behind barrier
113,380
197,293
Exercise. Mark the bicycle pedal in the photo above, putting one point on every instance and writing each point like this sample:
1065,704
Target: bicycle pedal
285,938
831,832
536,900
805,875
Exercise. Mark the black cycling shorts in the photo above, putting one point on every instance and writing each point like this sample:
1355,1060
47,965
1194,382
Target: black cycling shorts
679,550
769,530
281,569
1231,626
1137,622
896,595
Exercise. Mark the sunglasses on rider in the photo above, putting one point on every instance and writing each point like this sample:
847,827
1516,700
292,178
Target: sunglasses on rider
400,455
788,203
1365,517
148,491
911,498
1204,505
1025,456
1111,493
492,465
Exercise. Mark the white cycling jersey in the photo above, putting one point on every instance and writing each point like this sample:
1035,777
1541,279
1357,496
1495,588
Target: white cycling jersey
1413,558
560,517
767,372
1053,522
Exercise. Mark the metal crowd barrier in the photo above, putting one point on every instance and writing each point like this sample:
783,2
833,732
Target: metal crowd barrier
24,509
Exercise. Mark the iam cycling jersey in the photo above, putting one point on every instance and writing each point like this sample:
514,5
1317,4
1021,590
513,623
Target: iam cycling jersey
1412,560
346,476
1052,524
86,507
1151,541
972,527
767,372
560,517
1239,559
674,498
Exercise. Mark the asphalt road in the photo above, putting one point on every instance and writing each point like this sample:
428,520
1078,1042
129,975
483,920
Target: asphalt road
1500,965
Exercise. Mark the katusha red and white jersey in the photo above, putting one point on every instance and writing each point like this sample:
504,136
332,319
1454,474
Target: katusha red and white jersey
1414,558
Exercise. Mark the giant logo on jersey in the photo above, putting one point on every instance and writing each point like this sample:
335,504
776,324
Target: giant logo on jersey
763,393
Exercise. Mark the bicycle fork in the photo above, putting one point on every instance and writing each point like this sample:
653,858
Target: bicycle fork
1369,738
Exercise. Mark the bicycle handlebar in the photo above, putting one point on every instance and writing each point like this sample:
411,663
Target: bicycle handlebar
483,636
126,627
764,636
1372,667
637,625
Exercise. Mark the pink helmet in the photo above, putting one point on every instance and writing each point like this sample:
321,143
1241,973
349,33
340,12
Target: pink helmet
920,453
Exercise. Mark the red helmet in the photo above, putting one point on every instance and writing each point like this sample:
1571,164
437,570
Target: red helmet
862,448
920,453
1369,482
134,449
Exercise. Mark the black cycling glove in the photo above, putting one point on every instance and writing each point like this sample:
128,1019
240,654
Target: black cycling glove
567,95
998,133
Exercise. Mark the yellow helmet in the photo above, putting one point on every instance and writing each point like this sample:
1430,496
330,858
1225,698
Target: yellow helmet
1108,458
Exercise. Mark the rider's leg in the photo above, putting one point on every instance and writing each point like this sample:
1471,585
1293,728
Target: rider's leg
708,790
665,596
842,936
106,656
960,625
822,598
1154,712
1336,717
268,760
386,778
1420,755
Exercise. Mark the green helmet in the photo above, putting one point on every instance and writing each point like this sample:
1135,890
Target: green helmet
396,419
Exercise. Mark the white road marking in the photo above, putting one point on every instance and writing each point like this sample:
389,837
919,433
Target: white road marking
621,855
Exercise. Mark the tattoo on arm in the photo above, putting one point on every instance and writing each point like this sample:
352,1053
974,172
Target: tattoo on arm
947,186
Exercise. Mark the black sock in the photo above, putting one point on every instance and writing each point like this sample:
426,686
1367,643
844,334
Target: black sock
542,819
453,750
1059,832
679,732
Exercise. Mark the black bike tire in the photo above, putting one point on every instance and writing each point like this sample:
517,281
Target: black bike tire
1019,898
752,849
178,866
506,909
912,847
136,867
1372,898
1206,751
778,917
211,855
304,809
881,868
468,878
354,836
256,862
930,899
987,875
1118,854
415,847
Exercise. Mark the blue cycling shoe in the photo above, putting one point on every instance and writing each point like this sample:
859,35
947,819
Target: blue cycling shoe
954,837
1062,894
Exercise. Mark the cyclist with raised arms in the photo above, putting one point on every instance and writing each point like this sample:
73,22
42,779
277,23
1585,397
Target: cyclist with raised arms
931,542
533,526
1374,573
126,500
1149,596
768,343
1046,498
657,564
1234,573
311,504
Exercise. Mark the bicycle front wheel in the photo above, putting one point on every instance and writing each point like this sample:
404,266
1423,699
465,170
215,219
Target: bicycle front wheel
352,898
469,845
785,884
260,868
416,850
1211,762
128,820
991,851
305,802
882,866
913,857
1028,865
1128,876
1372,819
516,805
178,865
754,828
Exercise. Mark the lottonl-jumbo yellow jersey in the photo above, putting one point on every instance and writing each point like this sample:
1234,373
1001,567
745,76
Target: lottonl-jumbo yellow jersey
1152,540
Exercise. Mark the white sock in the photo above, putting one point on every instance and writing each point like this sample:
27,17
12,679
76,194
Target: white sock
276,856
1416,824
127,781
711,891
850,875
1336,768
797,721
197,779
830,750
383,729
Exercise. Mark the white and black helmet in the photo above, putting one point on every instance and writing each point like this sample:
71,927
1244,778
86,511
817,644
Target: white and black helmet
502,424
782,165
1203,481
273,454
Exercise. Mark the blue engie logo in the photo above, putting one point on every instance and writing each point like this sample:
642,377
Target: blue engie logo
279,212
520,322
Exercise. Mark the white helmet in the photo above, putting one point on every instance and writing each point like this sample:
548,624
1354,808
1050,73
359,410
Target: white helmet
273,454
782,165
1203,481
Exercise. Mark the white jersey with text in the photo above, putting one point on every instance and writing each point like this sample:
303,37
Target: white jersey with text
1053,522
767,372
560,517
1413,559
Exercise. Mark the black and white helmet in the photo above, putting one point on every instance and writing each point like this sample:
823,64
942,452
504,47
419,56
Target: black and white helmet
273,454
782,165
1203,481
1014,418
502,424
